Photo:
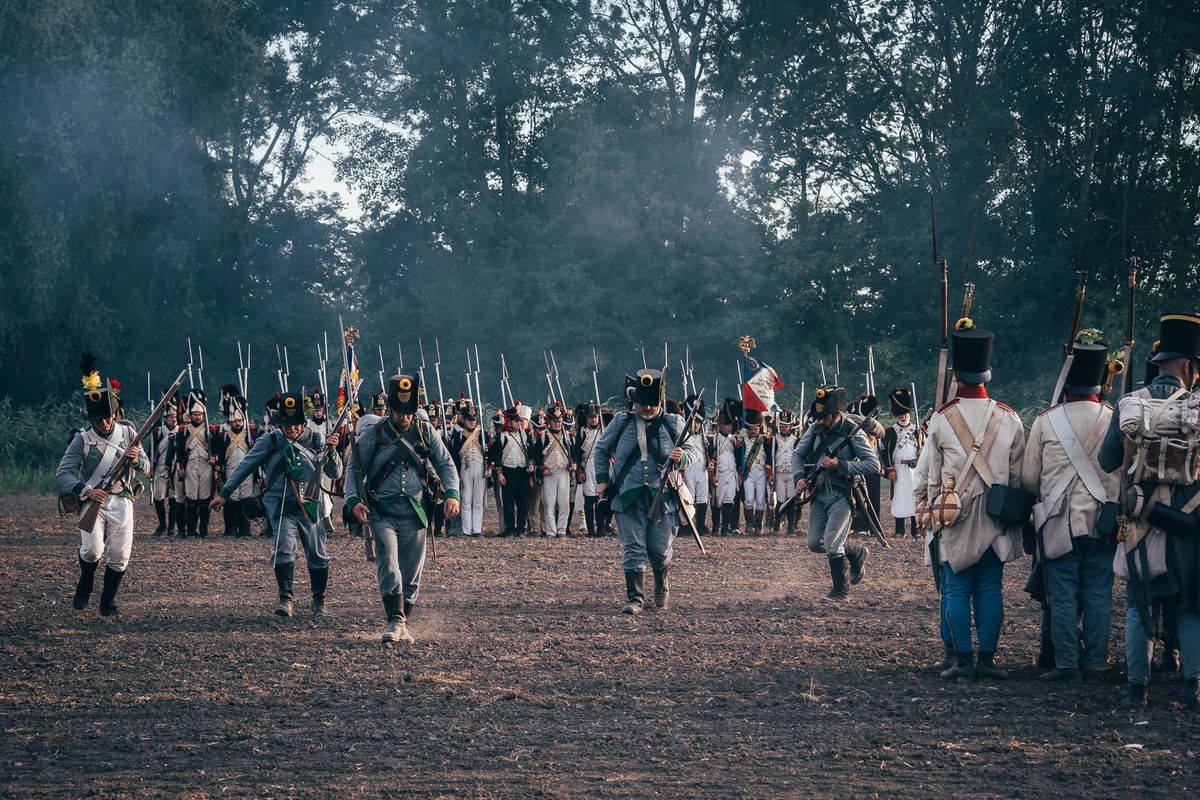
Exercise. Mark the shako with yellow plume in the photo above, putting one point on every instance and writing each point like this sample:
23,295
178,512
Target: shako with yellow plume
100,398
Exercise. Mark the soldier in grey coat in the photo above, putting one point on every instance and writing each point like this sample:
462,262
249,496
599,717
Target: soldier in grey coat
290,454
830,512
640,444
83,467
388,486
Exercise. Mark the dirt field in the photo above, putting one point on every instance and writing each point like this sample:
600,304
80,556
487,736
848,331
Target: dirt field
526,682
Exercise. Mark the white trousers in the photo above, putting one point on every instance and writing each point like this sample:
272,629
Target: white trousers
197,480
473,488
113,532
696,478
727,477
754,489
556,502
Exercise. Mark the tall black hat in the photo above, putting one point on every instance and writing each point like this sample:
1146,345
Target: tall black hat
100,400
555,412
379,400
1089,363
900,400
690,400
786,418
233,405
592,410
730,413
197,400
290,409
403,393
647,388
1178,336
971,352
829,400
318,400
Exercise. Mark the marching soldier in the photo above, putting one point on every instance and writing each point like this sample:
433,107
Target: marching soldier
830,511
552,454
696,473
510,454
901,448
724,460
469,451
537,440
973,443
755,445
162,445
396,456
195,460
862,409
640,446
231,445
320,423
575,491
585,465
1152,442
83,467
783,445
290,454
1060,467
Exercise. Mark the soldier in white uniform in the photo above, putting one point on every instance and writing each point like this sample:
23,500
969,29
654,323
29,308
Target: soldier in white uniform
469,451
585,468
783,444
724,459
552,454
230,445
756,461
901,448
195,460
1060,466
509,453
162,442
974,447
319,422
695,475
82,469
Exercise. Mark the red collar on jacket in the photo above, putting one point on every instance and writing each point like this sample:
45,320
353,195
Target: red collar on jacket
1082,398
972,392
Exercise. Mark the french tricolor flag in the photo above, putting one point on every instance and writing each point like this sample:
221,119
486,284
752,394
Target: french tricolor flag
759,382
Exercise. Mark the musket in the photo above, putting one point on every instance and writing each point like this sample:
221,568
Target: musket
557,381
149,394
90,509
478,392
1131,308
837,366
596,386
312,486
814,472
191,381
1069,345
279,369
287,368
382,367
437,372
942,386
823,381
400,353
656,507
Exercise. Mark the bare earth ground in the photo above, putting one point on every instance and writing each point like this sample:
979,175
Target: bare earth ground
526,682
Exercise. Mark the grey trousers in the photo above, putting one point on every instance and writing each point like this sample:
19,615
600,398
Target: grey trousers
399,551
643,539
829,523
311,536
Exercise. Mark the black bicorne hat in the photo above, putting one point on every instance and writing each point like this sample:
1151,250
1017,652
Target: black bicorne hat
900,400
690,400
866,405
971,352
829,400
1178,336
647,388
753,416
730,413
403,393
1151,366
290,409
1089,363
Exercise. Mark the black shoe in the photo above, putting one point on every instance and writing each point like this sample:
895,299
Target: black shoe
1046,659
634,593
319,580
1060,674
857,554
963,669
108,595
87,581
986,668
1191,695
662,588
1137,695
949,659
284,577
1093,676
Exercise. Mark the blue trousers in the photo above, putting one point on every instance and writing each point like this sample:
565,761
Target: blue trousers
1081,586
1139,646
311,535
643,539
977,589
829,523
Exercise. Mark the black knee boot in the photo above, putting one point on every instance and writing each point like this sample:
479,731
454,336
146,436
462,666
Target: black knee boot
899,527
793,513
589,515
701,513
191,518
176,519
160,510
229,517
108,595
837,573
319,579
203,512
87,581
912,523
857,554
284,575
634,593
662,588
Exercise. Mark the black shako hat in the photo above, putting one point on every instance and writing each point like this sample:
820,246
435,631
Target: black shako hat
971,352
829,400
900,400
99,397
647,388
290,410
1088,367
402,394
1178,337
